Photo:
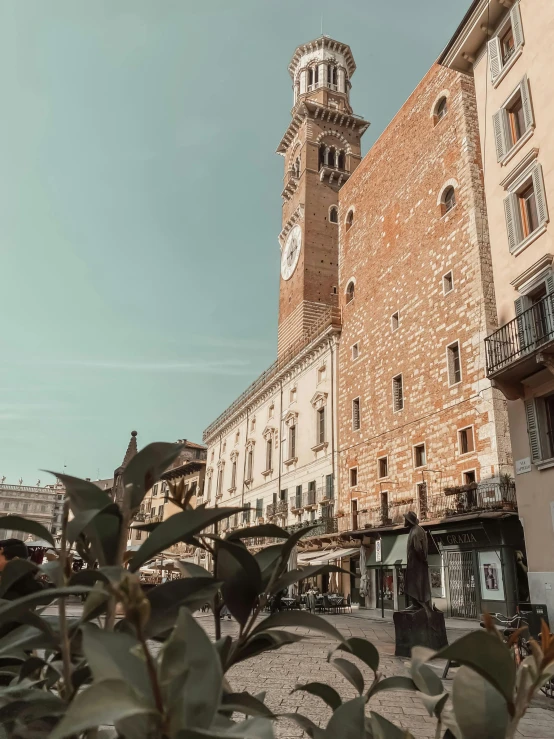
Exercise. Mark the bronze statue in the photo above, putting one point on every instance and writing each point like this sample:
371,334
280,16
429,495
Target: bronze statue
416,581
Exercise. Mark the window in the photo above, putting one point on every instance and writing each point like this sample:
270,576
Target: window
420,458
334,214
219,490
292,395
514,120
441,110
503,47
155,490
329,487
447,283
209,493
268,454
355,350
448,200
321,425
540,427
321,373
395,321
253,425
382,467
246,514
397,393
349,219
525,208
249,465
292,442
341,161
271,411
259,507
421,491
354,511
454,363
469,477
237,437
356,414
298,497
353,477
160,510
465,437
350,291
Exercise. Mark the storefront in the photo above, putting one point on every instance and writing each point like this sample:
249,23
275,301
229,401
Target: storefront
335,582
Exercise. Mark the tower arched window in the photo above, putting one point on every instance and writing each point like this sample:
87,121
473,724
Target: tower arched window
322,148
310,77
332,159
341,161
350,291
297,167
441,110
349,219
448,200
333,214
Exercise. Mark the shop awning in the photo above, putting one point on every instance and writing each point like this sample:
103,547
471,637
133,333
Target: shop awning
332,555
306,558
393,551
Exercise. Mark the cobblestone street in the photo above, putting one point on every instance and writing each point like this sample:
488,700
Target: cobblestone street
278,672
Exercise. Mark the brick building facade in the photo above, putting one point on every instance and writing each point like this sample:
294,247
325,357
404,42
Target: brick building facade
417,417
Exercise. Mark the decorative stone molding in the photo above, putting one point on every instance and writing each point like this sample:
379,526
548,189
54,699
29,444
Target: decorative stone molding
337,135
290,419
319,400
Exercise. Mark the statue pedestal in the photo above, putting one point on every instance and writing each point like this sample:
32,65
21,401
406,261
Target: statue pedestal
418,629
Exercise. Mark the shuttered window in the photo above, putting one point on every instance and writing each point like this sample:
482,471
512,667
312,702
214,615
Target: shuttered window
249,465
356,414
292,442
397,393
259,507
503,47
513,120
454,364
321,425
268,454
466,441
525,207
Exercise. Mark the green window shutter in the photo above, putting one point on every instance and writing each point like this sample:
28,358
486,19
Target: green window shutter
524,322
517,26
513,225
526,103
500,138
549,280
540,195
495,59
533,430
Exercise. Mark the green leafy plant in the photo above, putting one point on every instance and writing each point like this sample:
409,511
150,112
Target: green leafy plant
154,672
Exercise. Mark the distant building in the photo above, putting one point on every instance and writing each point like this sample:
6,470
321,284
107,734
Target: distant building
29,501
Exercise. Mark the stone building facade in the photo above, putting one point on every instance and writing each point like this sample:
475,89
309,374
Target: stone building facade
506,49
274,449
419,425
29,501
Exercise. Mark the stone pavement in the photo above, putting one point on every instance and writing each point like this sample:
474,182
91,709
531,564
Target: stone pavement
306,661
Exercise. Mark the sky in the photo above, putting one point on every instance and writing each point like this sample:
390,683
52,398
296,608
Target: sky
140,205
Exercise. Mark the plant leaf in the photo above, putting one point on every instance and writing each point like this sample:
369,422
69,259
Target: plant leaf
269,530
292,576
351,672
245,703
434,703
327,694
83,495
9,609
101,704
384,729
190,675
488,656
167,599
82,519
299,618
27,526
14,570
307,725
177,528
241,577
362,649
114,656
348,721
146,467
424,677
264,641
267,559
479,708
396,682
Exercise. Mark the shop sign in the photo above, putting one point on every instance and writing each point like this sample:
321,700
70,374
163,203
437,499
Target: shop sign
523,466
378,550
468,538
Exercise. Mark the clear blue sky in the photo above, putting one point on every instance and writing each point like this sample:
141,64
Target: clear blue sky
140,204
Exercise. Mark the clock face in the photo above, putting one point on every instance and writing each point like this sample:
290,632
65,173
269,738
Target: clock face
291,253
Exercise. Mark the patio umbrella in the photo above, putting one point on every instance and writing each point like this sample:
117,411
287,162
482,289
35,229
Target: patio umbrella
364,578
293,565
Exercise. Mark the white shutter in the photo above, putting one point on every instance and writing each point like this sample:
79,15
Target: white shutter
540,195
513,224
533,430
526,103
524,330
549,281
517,27
499,126
495,59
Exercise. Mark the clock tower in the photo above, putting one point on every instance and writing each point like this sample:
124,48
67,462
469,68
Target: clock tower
321,149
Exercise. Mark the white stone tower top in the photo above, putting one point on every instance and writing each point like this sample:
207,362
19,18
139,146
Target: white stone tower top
322,64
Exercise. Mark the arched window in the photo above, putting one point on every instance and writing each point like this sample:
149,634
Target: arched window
448,200
349,219
340,163
297,167
334,214
321,155
331,158
331,74
350,291
441,110
310,77
316,74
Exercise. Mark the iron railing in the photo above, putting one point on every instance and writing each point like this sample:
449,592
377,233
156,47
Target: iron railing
330,318
521,336
453,501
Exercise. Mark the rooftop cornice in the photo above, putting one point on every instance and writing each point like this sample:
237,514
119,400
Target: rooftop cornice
474,30
311,109
323,42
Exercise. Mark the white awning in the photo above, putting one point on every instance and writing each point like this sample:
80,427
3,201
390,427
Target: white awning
332,555
305,558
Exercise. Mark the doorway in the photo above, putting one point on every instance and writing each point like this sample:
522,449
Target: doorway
461,584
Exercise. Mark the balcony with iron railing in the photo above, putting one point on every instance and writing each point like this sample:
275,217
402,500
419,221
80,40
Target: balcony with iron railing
276,509
452,501
514,350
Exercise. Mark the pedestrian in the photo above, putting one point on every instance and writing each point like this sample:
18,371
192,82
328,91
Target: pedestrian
225,612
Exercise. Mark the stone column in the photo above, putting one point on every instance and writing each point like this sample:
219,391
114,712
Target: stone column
303,81
341,80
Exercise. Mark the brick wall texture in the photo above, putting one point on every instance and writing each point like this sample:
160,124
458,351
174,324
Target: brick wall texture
397,250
